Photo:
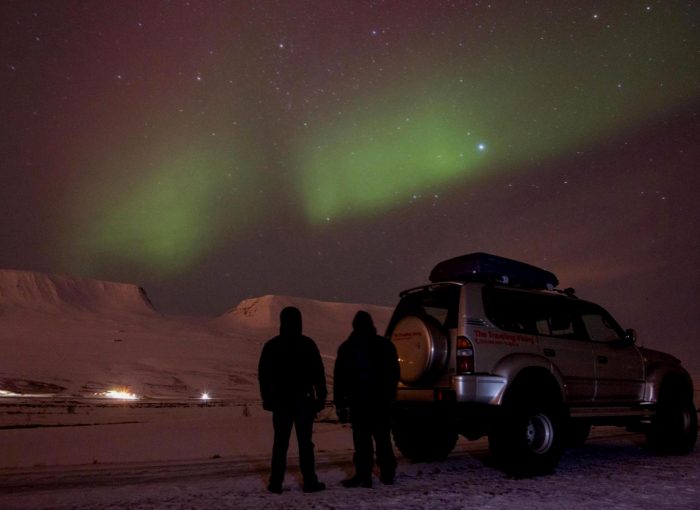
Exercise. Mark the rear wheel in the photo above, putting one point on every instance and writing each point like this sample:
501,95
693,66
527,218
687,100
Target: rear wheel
528,438
424,439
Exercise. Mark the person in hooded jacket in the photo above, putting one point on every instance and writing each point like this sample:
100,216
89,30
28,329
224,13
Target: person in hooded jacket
293,387
366,375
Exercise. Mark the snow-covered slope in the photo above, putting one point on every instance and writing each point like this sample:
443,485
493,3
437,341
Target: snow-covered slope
74,336
327,323
65,294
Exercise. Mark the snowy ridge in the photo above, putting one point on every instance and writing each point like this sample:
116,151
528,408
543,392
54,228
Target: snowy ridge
55,293
328,323
263,312
75,336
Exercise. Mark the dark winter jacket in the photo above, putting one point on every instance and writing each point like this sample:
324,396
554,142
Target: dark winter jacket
366,369
290,371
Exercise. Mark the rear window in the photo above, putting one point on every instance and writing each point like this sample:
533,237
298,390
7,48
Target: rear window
441,303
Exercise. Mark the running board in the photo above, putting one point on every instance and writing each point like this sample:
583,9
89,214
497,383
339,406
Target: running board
610,412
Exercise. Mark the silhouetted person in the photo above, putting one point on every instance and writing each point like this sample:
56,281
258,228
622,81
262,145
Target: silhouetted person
292,386
365,380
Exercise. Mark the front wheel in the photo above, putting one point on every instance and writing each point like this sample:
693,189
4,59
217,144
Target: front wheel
674,428
527,440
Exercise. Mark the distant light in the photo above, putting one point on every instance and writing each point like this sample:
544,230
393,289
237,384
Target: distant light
119,394
205,396
7,393
481,147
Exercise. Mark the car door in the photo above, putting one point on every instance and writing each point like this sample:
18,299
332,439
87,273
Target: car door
619,366
563,340
560,338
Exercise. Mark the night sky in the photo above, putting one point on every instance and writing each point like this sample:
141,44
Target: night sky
213,151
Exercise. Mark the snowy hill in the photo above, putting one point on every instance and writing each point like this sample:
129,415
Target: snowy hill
327,323
75,336
60,294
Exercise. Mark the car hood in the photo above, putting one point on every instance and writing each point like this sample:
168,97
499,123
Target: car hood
652,357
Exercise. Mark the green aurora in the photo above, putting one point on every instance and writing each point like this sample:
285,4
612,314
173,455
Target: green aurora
165,219
445,121
537,102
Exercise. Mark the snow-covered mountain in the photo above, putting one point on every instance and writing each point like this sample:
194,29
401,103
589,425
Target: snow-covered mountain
29,290
75,336
328,323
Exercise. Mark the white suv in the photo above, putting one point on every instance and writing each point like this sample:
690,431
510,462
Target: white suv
491,347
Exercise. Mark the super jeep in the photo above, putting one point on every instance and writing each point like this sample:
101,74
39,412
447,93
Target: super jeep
492,348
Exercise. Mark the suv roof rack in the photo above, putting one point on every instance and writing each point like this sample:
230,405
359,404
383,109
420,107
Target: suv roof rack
492,268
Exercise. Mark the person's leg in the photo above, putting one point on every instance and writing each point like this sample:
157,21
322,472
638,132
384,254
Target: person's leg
282,424
385,452
364,451
303,424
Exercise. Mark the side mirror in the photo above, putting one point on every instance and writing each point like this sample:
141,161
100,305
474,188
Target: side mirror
631,336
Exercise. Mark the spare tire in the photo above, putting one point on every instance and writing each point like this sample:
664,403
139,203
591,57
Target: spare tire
422,348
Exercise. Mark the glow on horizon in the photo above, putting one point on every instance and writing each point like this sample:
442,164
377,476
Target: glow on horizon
119,394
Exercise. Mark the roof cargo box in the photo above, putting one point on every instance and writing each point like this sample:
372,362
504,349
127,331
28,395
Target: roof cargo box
485,267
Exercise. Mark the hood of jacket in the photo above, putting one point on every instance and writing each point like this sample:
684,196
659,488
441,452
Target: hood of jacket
290,322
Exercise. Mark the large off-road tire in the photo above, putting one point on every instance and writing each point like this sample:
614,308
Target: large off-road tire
674,427
528,437
424,440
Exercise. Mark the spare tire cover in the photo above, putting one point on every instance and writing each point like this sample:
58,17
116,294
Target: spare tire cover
421,346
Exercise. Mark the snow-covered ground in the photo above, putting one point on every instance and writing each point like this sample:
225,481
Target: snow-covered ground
65,341
217,457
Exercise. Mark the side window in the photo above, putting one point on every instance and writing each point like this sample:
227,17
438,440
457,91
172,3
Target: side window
600,326
510,311
561,319
533,314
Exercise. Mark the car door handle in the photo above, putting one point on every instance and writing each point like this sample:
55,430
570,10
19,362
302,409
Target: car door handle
550,352
602,359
